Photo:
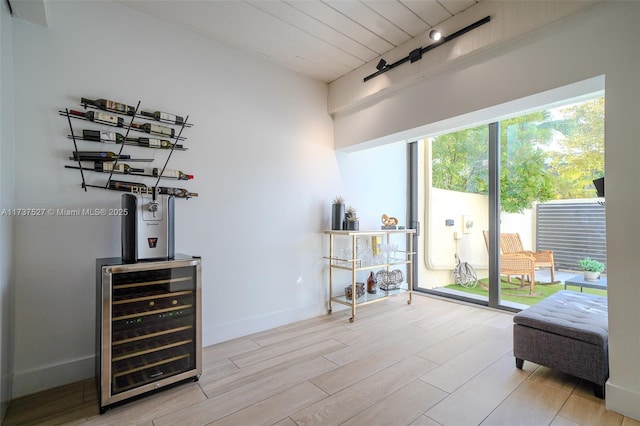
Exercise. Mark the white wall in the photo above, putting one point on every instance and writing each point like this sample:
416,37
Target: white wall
261,151
570,51
442,244
374,184
7,186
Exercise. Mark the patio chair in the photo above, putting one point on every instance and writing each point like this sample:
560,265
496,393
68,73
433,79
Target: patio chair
519,264
511,244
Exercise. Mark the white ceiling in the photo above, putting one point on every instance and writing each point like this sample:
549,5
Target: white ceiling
321,39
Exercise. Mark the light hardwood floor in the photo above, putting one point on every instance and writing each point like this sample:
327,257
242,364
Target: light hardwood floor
433,362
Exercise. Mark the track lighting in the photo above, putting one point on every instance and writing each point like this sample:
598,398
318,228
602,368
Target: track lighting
416,54
435,35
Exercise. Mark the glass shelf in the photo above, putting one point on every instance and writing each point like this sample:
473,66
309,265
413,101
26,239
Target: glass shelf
369,256
369,297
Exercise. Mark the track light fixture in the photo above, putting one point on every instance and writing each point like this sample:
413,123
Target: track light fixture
416,54
435,35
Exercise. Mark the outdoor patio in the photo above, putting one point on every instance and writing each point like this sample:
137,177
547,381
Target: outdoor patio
513,292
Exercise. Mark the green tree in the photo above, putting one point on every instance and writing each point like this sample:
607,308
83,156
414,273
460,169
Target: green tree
460,161
459,158
579,159
524,178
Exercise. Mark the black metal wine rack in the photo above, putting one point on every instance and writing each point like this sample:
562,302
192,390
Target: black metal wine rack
175,145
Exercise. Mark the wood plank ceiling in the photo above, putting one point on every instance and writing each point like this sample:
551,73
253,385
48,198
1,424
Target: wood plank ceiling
323,39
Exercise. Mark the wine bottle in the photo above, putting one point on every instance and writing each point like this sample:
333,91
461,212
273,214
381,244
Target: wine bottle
99,117
171,174
97,156
101,136
154,143
108,105
163,116
154,128
113,137
371,284
120,185
108,166
176,192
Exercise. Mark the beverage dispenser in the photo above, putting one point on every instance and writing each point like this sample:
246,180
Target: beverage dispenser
148,228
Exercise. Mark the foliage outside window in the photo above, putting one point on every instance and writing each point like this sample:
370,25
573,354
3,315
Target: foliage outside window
544,155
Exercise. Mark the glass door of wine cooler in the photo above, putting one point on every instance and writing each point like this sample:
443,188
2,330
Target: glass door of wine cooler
150,326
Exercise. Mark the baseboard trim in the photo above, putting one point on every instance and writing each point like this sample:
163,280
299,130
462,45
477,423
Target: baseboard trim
623,400
6,385
4,405
233,330
33,381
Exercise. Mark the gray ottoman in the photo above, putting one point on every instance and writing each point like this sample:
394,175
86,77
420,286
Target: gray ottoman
568,332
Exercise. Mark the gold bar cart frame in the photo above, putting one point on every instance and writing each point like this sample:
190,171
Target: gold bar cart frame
354,264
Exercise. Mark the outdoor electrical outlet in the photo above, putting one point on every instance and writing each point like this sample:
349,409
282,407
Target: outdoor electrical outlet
467,224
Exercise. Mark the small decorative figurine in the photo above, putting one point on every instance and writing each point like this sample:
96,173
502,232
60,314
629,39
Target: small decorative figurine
348,290
388,221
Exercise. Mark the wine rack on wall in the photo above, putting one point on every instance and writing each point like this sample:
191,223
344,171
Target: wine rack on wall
133,127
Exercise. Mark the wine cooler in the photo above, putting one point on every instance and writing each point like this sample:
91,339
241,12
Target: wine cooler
148,329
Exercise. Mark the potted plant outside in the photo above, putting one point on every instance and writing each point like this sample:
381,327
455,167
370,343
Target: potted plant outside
591,268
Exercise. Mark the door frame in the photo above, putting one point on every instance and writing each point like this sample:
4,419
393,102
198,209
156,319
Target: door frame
413,218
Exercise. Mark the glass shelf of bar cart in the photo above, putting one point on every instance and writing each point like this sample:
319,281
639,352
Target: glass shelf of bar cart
381,252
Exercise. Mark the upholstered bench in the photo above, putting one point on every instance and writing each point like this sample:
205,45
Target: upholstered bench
568,332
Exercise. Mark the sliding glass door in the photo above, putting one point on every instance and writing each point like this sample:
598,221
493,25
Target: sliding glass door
478,191
453,187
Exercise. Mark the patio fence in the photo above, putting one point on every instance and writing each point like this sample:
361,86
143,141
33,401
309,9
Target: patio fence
573,231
